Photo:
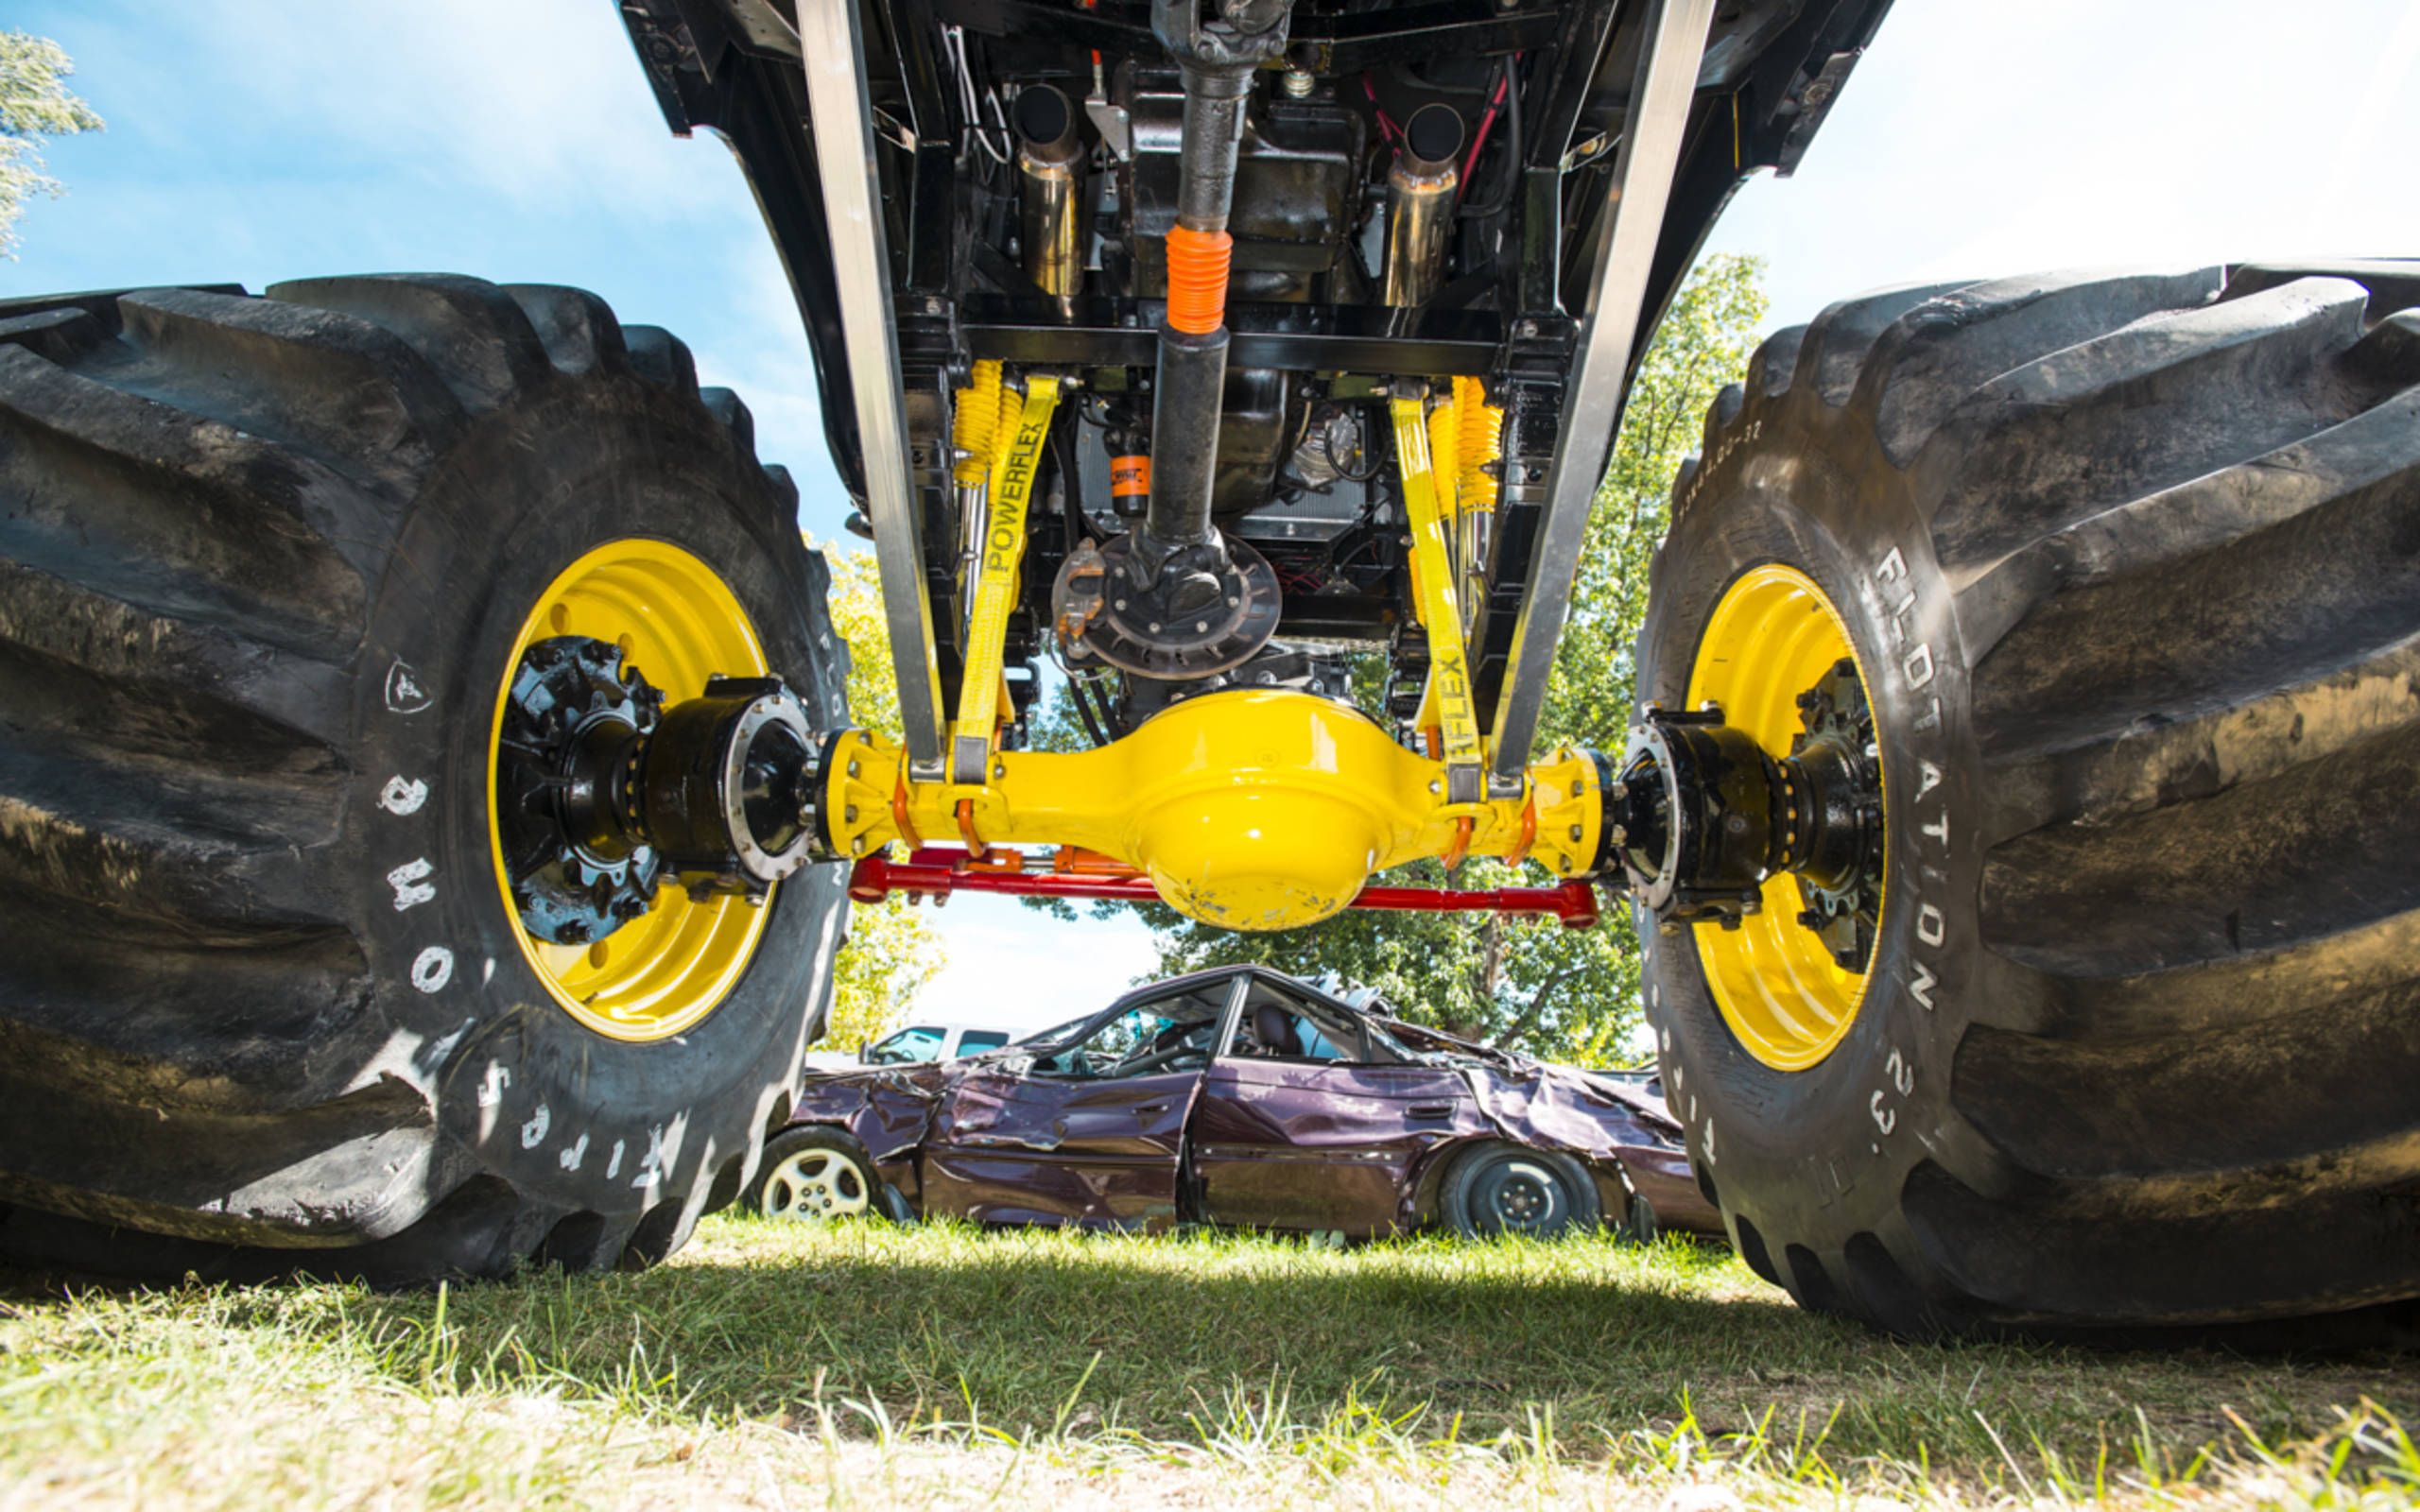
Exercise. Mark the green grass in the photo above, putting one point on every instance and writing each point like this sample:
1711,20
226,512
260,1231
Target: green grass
871,1365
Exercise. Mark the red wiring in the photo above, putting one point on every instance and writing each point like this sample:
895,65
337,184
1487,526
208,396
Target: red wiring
1478,139
1386,123
1390,131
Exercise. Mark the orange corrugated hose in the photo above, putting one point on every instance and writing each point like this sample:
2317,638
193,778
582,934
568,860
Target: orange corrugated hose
1479,444
975,424
1197,279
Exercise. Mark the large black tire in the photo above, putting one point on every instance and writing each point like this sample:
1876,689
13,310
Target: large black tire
262,565
2132,565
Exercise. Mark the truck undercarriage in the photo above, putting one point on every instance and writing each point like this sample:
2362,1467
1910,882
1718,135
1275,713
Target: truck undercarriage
1332,307
420,709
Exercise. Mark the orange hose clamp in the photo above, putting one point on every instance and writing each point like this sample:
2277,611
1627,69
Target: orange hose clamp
1130,477
1197,279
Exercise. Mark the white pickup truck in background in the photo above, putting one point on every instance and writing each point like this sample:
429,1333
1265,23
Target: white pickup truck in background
916,1044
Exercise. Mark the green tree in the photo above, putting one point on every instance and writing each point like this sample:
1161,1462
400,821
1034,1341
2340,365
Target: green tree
35,106
1532,985
892,949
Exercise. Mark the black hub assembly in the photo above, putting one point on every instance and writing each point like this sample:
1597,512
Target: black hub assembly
1699,816
1205,608
602,793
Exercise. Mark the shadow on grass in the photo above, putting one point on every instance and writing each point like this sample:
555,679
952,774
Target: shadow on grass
1202,1336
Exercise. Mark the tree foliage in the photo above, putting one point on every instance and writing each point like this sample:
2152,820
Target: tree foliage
35,106
1533,984
892,949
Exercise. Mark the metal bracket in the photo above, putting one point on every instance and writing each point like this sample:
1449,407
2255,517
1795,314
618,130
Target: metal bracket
1001,554
1641,184
1438,602
832,49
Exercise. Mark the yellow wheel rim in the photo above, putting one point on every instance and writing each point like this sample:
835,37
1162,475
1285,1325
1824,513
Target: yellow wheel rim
1772,636
678,623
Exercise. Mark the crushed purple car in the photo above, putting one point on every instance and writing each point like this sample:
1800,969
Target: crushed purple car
1239,1097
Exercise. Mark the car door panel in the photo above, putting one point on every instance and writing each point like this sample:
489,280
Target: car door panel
1299,1144
1017,1148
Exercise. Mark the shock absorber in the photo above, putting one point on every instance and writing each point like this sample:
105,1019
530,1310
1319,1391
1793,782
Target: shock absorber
1478,446
1176,599
973,434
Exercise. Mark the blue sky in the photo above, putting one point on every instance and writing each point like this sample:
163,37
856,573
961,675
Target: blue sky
254,140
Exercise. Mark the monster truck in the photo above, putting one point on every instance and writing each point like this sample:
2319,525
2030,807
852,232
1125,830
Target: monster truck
427,806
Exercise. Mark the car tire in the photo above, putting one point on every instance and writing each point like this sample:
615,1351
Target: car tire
1642,1226
2130,568
266,566
817,1176
1492,1190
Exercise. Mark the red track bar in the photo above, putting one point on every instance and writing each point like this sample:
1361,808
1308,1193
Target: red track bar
938,871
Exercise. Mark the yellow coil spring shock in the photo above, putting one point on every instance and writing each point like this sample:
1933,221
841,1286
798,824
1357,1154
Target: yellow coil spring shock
975,426
1478,446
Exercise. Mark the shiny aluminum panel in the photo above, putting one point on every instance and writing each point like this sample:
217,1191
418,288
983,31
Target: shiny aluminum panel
1641,186
832,50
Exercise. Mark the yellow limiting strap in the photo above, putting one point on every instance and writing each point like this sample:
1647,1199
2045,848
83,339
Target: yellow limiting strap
1444,433
1434,600
1024,429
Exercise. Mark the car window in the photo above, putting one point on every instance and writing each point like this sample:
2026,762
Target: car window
974,1041
1056,1032
1277,1024
1171,1033
907,1047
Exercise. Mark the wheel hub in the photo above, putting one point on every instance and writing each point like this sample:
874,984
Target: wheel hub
1761,813
1702,816
603,793
1520,1201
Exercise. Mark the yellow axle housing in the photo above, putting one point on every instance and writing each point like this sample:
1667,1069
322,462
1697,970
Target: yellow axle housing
1250,809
